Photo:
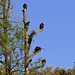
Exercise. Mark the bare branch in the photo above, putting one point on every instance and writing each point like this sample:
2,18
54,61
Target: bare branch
8,8
17,63
34,54
39,30
12,21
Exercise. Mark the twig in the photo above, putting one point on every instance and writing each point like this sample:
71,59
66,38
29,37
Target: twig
10,21
16,71
16,63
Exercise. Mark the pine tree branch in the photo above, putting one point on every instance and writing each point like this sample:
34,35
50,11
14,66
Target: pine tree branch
17,63
10,21
16,71
35,68
41,66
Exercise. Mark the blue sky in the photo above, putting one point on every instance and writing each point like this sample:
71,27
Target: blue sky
58,36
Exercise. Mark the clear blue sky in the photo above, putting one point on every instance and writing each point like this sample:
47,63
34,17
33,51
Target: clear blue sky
58,36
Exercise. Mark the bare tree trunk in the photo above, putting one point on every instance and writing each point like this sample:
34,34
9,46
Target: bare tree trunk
26,39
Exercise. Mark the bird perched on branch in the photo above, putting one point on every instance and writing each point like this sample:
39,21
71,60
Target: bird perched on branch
41,26
25,6
30,37
37,49
27,24
43,62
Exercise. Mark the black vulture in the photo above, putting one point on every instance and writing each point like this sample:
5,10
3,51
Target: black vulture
41,26
25,6
31,37
30,40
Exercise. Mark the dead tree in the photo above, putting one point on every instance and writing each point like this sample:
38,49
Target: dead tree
28,40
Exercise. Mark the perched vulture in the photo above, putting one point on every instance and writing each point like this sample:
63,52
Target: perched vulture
37,49
30,38
27,24
41,26
25,6
43,62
